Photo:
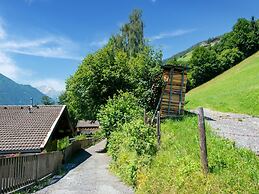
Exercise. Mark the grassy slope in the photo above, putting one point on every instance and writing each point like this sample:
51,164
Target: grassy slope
186,57
176,168
236,90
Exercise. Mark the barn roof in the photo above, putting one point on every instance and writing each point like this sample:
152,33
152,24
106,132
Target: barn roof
26,128
88,124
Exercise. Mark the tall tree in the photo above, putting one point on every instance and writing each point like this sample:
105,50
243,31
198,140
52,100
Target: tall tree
124,64
131,38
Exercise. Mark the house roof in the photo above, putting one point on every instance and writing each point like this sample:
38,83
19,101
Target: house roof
88,123
27,129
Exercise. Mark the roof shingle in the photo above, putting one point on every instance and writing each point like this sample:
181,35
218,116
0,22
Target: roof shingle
23,130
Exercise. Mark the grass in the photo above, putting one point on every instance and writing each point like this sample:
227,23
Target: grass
186,57
236,90
176,168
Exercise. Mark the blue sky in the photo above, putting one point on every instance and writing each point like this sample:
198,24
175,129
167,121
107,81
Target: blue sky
42,42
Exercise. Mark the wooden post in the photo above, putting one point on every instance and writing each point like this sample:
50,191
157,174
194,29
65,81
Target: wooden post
158,128
203,145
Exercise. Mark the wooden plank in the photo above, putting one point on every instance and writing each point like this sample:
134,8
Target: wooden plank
170,98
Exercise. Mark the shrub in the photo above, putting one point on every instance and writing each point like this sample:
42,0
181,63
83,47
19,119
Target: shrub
120,109
80,137
132,148
63,143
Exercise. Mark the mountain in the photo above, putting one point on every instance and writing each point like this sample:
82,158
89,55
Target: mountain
12,93
185,55
235,90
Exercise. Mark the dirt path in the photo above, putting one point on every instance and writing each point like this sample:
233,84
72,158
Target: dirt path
91,176
243,129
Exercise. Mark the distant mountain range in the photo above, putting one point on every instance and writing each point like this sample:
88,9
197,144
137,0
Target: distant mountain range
12,93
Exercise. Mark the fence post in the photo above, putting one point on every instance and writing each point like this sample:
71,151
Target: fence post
203,145
158,128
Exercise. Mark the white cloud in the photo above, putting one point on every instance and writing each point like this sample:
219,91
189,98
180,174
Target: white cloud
99,43
47,85
8,66
170,34
51,46
47,46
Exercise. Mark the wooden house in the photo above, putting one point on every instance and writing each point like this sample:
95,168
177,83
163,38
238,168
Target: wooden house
87,127
32,129
171,103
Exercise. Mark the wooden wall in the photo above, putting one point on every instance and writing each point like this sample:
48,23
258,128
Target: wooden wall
173,94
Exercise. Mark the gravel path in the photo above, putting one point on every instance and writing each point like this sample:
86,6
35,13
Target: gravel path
91,176
243,129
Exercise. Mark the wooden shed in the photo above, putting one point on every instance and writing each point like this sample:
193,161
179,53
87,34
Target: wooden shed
171,103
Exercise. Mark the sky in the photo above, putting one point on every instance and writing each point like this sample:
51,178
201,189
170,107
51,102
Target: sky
42,42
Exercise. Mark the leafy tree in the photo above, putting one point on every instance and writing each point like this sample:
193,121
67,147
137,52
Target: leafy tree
47,100
131,38
241,42
146,77
99,77
228,58
204,65
246,35
125,64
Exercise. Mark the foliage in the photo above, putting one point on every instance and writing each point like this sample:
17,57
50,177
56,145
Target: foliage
236,90
131,39
132,148
216,55
47,100
118,110
203,65
63,143
146,77
99,77
176,167
80,137
131,143
228,58
126,63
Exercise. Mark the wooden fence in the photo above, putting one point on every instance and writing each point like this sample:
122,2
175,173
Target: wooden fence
19,171
22,170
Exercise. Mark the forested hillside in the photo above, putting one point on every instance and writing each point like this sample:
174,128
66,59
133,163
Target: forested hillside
214,56
12,93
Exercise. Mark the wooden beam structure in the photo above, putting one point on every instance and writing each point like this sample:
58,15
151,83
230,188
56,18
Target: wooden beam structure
171,103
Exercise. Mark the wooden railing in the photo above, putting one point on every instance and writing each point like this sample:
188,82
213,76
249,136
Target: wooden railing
19,171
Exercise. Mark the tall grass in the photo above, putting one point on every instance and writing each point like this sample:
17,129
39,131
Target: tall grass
176,168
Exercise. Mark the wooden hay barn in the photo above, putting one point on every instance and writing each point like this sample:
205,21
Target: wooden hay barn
171,103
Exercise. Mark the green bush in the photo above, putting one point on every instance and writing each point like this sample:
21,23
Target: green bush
120,109
132,148
80,137
63,143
